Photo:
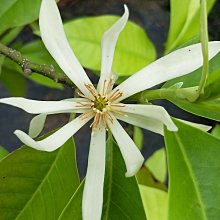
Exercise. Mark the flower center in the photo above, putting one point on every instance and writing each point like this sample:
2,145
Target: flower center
100,103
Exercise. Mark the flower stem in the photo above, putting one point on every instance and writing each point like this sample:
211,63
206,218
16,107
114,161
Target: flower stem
28,67
205,53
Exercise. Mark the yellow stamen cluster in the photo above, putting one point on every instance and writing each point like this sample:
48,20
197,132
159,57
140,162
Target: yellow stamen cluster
100,104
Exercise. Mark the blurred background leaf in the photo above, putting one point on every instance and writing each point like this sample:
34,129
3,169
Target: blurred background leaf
184,22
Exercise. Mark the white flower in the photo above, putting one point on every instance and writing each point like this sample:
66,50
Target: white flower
103,104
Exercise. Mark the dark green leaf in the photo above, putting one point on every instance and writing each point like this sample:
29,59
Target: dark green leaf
3,152
122,198
36,184
194,174
121,195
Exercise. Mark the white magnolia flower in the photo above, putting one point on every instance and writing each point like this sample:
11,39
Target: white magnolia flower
103,104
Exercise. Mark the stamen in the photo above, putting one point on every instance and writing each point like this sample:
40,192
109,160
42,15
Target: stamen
83,105
86,114
117,94
92,90
83,96
119,112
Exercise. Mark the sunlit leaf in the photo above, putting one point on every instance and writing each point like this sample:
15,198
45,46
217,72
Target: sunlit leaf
216,131
194,173
20,12
157,164
155,202
184,22
138,137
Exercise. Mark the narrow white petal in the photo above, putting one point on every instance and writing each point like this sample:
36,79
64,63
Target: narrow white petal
175,64
150,111
38,107
108,45
196,125
37,125
94,183
55,40
142,122
57,139
132,156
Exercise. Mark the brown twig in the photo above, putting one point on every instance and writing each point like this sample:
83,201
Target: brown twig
28,67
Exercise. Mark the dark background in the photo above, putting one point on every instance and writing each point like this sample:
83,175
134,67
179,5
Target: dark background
153,16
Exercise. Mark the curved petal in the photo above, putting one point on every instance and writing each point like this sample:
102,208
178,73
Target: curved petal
150,111
37,125
175,64
38,107
108,44
57,139
142,122
132,156
55,40
94,183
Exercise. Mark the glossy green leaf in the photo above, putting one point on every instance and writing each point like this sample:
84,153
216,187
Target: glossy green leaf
15,13
138,137
194,174
10,77
184,22
157,164
36,184
155,202
3,152
134,50
37,53
122,198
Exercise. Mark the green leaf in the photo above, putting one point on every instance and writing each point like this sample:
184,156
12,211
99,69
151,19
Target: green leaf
11,34
134,50
146,177
208,105
2,58
138,137
155,203
16,13
10,78
36,184
37,53
185,22
193,162
216,131
122,198
157,164
3,152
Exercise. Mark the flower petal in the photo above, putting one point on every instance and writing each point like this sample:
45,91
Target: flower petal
94,183
38,107
196,125
108,44
55,40
55,140
37,125
132,156
150,111
175,64
142,122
